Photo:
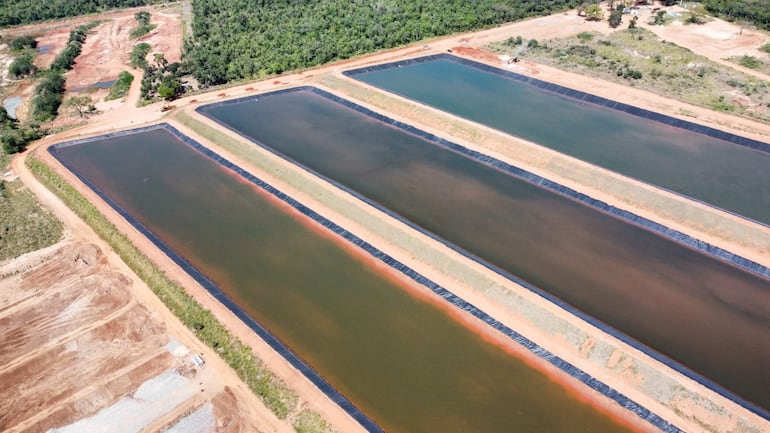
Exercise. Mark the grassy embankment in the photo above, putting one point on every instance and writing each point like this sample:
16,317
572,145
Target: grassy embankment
120,88
638,58
271,390
26,226
759,63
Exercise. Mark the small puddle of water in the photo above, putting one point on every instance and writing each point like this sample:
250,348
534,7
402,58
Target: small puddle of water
98,85
11,104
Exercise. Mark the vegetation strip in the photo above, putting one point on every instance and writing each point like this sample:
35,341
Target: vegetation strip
275,395
674,235
450,297
26,226
120,88
32,11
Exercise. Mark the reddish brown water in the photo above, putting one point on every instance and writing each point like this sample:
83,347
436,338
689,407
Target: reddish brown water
406,362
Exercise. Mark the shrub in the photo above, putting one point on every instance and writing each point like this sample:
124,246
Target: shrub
616,17
48,97
139,55
532,43
144,27
518,40
120,88
585,36
750,62
660,18
722,105
22,67
22,42
765,48
695,18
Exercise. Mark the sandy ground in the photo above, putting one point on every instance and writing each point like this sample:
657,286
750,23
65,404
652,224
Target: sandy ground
106,53
107,50
555,26
69,306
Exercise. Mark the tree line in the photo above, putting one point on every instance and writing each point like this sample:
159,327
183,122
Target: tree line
31,11
756,12
238,39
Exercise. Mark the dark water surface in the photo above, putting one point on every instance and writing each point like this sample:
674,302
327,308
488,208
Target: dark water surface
710,316
724,174
405,362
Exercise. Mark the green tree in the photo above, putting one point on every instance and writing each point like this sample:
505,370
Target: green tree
29,11
144,27
169,89
80,105
143,18
22,66
5,120
22,42
139,55
48,96
616,17
160,60
594,13
236,39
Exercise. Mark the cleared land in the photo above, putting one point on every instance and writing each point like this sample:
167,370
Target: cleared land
639,58
106,53
65,308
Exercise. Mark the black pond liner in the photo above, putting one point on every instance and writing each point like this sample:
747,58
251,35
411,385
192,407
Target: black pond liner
674,235
591,99
628,404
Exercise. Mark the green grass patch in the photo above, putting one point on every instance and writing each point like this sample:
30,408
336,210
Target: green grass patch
25,226
120,88
585,36
765,48
309,421
138,32
750,62
5,159
639,58
271,390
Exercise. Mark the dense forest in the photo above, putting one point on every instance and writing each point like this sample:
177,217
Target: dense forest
15,12
756,12
236,39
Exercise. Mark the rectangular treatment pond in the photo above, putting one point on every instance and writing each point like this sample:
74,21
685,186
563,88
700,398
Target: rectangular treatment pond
404,360
704,313
708,165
